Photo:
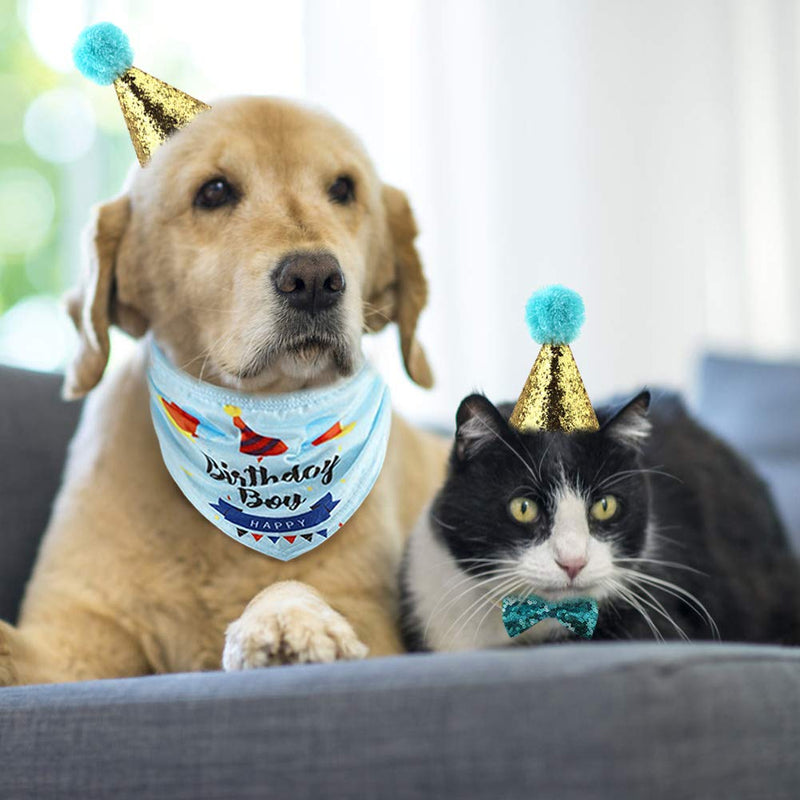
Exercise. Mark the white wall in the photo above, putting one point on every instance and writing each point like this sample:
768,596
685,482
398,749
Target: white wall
644,152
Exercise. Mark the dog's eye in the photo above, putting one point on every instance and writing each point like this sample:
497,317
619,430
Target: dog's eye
214,193
342,190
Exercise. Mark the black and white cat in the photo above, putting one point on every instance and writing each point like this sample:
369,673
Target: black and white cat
659,521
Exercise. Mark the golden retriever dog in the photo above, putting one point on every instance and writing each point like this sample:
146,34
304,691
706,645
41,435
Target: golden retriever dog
130,578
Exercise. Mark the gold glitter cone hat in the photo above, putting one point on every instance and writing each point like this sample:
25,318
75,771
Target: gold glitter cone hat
554,397
152,109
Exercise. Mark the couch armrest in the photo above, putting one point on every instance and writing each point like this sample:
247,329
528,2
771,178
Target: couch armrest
35,428
755,405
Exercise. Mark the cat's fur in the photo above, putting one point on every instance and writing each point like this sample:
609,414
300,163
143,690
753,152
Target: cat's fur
691,512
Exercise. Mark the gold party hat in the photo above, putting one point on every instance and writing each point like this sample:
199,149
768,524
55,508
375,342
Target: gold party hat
554,397
153,110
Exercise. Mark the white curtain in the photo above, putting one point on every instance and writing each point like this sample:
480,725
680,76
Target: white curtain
646,153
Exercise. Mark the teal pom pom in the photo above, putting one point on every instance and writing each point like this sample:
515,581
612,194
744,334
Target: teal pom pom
102,53
555,315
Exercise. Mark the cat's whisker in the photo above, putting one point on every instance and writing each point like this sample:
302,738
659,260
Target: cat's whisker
656,606
632,600
523,488
678,592
659,528
452,631
610,601
523,461
464,577
493,577
656,533
599,470
659,562
479,625
487,580
521,589
489,560
541,462
507,588
439,610
526,590
443,524
476,609
477,580
458,580
663,611
636,606
485,597
624,593
626,598
537,477
616,477
477,561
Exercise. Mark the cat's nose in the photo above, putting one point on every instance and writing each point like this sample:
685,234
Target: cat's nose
572,566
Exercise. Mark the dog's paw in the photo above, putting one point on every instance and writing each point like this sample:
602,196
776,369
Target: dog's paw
290,624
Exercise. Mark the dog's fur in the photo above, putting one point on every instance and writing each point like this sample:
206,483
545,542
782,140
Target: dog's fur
130,579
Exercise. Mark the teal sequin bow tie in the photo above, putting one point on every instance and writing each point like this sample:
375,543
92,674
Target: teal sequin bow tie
578,614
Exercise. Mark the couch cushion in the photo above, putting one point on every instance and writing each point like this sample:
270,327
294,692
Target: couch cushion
755,405
574,722
35,428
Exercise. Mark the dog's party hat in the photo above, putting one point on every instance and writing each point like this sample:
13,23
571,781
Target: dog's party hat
152,109
554,397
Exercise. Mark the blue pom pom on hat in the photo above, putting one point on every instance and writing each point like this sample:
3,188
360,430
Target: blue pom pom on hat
102,53
555,315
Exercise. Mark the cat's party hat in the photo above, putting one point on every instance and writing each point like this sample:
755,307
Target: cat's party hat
152,109
554,397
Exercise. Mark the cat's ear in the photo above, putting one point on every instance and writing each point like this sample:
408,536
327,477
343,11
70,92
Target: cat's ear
478,422
630,425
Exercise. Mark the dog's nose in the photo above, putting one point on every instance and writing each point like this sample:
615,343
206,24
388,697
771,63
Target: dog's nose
309,281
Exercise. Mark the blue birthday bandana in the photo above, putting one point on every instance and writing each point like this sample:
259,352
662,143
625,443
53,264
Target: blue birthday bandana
280,474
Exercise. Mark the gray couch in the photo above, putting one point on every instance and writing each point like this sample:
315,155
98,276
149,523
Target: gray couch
577,721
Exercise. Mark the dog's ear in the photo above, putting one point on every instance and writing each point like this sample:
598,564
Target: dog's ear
400,291
94,305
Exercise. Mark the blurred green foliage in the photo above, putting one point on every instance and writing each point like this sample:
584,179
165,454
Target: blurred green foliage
24,78
50,265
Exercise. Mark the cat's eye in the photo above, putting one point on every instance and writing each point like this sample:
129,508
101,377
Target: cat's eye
215,193
605,508
523,509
